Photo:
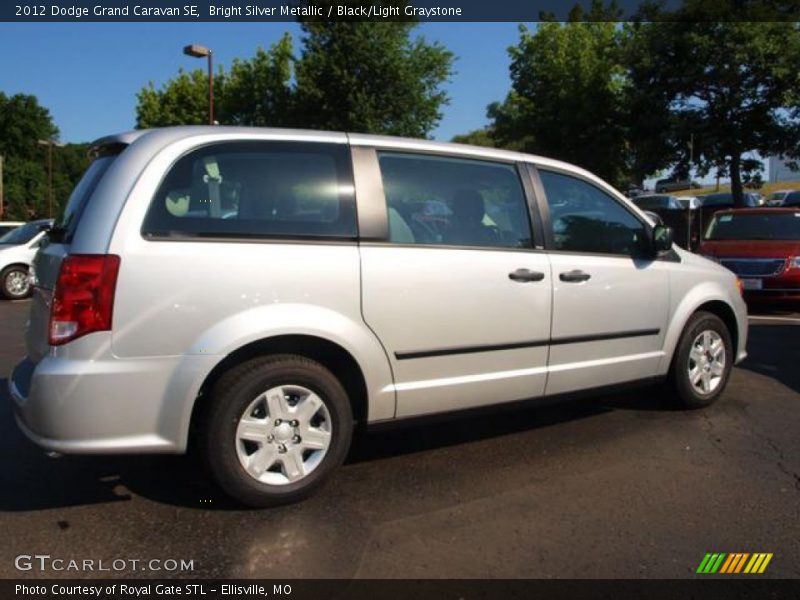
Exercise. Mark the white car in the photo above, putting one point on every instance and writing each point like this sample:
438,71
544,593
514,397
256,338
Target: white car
6,226
17,249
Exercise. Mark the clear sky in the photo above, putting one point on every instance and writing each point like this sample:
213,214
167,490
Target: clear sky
88,74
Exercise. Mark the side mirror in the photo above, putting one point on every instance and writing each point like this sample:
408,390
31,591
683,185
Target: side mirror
662,238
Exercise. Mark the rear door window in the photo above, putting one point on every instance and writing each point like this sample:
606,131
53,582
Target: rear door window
435,200
257,189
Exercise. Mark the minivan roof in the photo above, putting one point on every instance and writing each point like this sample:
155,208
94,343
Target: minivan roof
168,135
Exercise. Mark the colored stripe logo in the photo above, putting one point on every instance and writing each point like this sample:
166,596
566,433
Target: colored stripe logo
734,563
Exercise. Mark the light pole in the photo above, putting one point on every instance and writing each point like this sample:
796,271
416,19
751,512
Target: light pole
49,144
199,52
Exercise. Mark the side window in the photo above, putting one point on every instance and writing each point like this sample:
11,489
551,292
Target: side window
586,219
257,189
451,201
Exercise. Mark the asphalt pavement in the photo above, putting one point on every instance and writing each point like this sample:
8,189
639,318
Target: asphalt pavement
620,486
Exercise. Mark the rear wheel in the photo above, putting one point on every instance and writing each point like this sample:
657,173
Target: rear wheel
276,429
703,361
14,283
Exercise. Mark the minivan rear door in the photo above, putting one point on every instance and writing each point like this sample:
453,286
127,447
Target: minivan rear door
454,287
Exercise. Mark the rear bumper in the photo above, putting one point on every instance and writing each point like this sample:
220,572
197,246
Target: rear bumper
101,406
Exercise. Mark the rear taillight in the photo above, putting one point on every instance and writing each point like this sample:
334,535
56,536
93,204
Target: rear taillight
83,300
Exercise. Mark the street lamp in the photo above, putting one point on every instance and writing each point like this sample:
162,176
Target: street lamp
49,144
199,52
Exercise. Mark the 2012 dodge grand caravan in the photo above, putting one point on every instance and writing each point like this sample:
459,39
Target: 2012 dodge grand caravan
264,289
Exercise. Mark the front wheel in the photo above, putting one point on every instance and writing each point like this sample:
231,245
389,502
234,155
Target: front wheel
703,361
14,283
277,427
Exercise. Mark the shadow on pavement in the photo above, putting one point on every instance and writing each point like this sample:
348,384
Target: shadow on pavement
30,480
778,355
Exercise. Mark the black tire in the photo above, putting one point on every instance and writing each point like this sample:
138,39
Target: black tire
7,288
234,392
688,396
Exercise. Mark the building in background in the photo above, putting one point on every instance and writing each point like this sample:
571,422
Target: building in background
779,170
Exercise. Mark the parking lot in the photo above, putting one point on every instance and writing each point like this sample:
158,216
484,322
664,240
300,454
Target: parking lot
620,486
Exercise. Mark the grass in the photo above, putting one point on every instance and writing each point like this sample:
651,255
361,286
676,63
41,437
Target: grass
766,189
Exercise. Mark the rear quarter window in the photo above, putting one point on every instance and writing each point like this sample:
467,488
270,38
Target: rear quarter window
65,228
256,189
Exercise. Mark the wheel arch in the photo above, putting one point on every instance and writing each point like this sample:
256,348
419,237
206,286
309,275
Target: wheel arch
725,313
10,265
708,303
331,355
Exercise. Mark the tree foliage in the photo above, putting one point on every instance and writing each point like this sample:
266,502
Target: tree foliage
23,122
351,76
257,91
370,77
567,96
624,101
477,137
181,101
731,85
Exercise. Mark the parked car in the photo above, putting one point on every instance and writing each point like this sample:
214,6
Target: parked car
792,199
762,246
689,202
776,197
657,202
17,249
6,226
672,184
635,191
265,336
722,199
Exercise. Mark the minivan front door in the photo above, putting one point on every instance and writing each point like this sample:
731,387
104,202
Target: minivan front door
610,300
456,292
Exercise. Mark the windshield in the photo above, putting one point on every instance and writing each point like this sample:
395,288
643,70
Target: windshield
759,226
22,235
65,227
724,199
651,202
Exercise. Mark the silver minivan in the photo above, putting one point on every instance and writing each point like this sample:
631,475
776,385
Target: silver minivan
260,291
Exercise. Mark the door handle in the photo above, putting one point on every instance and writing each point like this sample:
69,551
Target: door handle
525,275
574,276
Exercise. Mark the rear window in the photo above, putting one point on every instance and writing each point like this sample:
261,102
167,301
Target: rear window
65,228
256,189
655,202
23,234
782,226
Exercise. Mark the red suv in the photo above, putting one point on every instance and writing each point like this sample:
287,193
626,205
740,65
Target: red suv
760,245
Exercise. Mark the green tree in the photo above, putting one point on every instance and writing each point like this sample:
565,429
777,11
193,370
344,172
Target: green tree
181,101
258,91
370,77
477,137
23,121
731,85
568,92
